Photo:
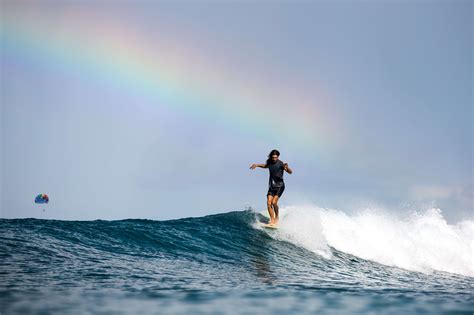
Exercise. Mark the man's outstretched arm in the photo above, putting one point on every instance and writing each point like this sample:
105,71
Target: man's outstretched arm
253,166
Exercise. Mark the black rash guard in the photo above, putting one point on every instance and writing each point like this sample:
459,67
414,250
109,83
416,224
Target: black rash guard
276,174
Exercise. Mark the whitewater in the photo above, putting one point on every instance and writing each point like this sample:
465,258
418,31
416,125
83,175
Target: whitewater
420,241
320,260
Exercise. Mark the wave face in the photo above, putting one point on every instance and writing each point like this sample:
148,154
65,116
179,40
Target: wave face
318,261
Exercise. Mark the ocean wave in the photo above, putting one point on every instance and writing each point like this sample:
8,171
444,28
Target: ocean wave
419,241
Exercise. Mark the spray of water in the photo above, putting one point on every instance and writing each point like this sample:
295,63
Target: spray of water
420,241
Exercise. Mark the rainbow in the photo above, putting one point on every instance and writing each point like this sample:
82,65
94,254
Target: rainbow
168,72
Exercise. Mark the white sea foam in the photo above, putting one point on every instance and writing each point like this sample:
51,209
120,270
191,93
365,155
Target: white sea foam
419,242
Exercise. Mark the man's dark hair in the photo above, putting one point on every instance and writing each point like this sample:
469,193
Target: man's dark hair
272,152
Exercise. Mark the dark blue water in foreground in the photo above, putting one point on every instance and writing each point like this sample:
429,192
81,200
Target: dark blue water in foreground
215,264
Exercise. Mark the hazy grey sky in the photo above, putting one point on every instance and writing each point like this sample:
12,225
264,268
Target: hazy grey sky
156,109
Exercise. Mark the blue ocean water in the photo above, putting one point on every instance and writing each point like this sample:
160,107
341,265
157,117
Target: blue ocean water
217,264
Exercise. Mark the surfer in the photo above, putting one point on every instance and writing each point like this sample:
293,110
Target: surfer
276,185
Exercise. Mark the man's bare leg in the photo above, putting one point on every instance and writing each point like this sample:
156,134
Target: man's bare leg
275,207
270,209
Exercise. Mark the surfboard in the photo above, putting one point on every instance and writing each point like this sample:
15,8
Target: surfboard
268,226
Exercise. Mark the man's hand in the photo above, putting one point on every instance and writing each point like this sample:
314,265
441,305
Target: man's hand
253,166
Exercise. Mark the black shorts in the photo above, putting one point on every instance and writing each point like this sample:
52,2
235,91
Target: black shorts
276,191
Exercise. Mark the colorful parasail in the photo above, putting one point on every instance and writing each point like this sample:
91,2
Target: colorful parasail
42,198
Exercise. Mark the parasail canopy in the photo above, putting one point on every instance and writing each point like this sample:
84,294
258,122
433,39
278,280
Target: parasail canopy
42,198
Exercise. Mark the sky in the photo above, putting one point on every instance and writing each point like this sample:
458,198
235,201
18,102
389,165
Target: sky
156,110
